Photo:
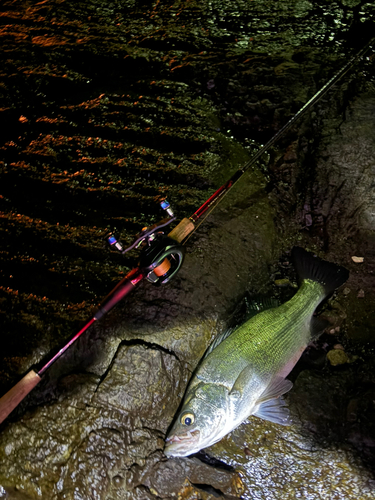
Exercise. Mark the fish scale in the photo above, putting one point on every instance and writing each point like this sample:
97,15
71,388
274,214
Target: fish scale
279,330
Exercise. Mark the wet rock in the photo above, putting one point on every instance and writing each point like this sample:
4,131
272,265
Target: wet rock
192,475
112,445
142,381
12,494
334,170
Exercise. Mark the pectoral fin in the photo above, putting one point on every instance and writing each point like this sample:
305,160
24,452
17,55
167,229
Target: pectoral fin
277,387
275,411
271,406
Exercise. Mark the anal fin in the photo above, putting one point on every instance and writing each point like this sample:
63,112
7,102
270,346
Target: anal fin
317,326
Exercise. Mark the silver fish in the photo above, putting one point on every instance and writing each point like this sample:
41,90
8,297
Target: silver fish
243,371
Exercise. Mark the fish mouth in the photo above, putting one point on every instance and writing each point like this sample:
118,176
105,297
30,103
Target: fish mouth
182,445
189,435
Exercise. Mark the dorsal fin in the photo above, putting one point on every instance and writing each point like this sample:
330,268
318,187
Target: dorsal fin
218,340
258,304
253,307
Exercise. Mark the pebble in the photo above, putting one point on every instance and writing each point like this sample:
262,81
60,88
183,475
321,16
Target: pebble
338,346
282,282
357,260
361,294
248,452
337,357
334,330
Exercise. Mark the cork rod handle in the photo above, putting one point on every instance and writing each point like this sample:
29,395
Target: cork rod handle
182,230
17,393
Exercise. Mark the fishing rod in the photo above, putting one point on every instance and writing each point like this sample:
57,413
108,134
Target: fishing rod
161,255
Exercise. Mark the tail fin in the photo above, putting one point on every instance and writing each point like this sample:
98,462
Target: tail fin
330,275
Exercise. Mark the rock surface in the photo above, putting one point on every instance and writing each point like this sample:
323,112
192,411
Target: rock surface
109,108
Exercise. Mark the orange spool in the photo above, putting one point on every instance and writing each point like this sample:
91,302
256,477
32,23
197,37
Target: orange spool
163,268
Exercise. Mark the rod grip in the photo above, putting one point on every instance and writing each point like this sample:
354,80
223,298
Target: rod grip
182,230
17,393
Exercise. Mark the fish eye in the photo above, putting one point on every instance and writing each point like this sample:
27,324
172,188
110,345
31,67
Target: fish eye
187,419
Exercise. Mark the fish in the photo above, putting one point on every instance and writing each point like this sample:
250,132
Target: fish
244,370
